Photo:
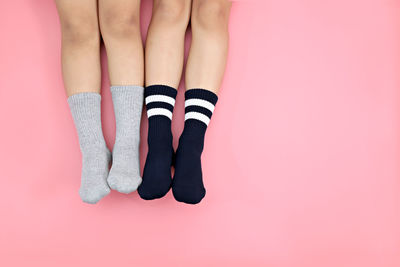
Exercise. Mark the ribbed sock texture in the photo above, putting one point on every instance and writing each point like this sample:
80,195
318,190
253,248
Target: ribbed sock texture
160,101
85,109
124,175
188,184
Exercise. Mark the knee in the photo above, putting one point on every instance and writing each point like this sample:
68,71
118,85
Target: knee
172,11
119,23
210,14
80,30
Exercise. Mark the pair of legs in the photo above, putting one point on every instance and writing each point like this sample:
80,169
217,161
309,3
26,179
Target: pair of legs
83,22
208,51
118,20
203,76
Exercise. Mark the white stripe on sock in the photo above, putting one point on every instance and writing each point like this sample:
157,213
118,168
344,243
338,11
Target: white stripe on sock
159,111
197,116
201,103
160,98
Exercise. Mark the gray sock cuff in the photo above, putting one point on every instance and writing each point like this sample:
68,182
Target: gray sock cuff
86,112
85,96
130,95
127,89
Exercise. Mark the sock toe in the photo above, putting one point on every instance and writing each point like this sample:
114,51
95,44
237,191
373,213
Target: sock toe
188,194
94,195
147,192
123,185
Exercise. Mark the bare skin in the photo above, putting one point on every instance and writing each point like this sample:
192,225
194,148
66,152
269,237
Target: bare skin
119,26
208,52
80,51
120,29
165,42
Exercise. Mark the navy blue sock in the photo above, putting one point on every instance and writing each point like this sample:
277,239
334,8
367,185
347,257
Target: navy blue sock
160,101
187,185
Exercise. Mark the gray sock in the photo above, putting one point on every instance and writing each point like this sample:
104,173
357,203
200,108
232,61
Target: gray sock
125,171
85,109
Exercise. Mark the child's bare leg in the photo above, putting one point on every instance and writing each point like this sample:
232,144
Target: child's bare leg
208,52
80,45
81,73
204,73
164,62
120,29
165,42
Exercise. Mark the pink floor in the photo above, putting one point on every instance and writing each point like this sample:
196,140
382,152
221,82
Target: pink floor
301,162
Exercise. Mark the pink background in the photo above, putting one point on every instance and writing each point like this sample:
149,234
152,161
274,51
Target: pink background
301,162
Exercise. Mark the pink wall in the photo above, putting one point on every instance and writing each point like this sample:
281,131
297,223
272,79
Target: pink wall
301,162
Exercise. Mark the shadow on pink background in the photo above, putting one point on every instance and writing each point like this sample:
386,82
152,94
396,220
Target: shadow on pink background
301,162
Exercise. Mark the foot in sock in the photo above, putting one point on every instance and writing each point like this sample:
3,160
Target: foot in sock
85,110
125,170
160,101
187,185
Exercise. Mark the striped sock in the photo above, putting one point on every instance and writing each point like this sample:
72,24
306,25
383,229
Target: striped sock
187,184
160,101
